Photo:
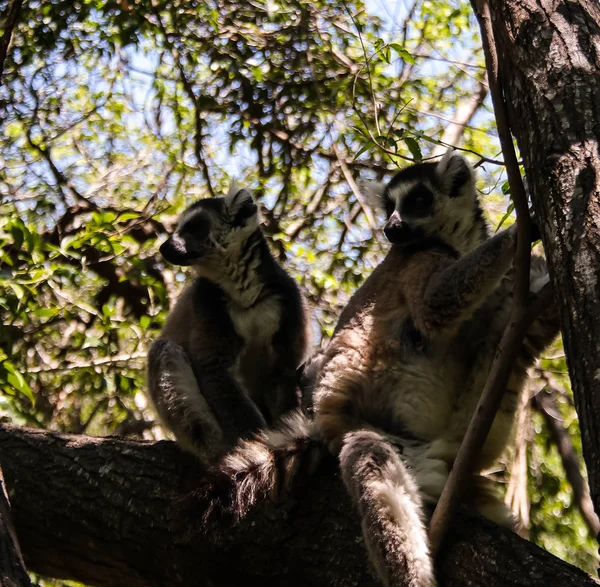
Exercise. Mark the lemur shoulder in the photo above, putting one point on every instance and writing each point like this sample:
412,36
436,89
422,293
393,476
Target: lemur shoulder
225,363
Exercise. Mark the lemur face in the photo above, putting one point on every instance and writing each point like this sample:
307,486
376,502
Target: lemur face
428,200
210,227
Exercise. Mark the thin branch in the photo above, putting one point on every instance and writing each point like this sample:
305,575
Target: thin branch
521,315
484,415
356,191
545,403
8,22
189,90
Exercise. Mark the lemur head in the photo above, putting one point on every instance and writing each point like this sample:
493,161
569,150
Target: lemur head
211,227
432,200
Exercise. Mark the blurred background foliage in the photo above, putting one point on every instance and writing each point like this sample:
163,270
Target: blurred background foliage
117,115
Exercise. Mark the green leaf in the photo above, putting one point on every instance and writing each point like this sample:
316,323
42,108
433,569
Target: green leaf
414,148
509,211
125,216
403,53
17,381
19,290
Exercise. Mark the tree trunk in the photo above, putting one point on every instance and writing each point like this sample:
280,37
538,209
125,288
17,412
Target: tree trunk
549,54
112,512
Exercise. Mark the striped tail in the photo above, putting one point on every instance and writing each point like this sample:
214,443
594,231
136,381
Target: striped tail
390,507
275,462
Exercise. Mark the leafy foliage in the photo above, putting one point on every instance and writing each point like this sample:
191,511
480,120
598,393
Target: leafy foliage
116,115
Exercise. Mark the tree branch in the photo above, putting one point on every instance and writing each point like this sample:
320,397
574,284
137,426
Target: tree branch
112,512
521,316
12,567
551,79
8,20
462,116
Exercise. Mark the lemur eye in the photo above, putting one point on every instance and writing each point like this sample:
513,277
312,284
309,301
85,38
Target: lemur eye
198,225
418,202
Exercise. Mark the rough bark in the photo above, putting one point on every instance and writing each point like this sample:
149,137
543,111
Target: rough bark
112,512
12,567
550,70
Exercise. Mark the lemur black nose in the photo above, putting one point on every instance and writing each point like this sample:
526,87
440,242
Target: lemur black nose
395,229
174,251
394,220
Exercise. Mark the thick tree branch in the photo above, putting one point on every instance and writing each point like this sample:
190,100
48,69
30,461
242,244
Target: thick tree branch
12,567
545,404
112,512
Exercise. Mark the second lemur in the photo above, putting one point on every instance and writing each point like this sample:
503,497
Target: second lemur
398,383
225,363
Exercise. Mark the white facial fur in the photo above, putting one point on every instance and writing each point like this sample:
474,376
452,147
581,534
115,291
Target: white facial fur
452,219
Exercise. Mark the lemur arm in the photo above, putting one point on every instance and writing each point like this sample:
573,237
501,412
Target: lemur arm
281,390
453,292
214,347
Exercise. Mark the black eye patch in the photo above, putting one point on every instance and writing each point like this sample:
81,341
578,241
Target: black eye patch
197,226
418,202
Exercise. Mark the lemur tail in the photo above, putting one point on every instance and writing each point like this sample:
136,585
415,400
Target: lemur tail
274,462
390,508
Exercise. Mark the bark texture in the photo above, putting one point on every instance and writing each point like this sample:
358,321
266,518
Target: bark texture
112,512
12,567
550,70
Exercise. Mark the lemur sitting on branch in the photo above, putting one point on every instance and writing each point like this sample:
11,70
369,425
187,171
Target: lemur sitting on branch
225,363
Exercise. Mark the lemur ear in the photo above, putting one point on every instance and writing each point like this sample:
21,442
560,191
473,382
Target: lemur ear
455,174
373,192
240,203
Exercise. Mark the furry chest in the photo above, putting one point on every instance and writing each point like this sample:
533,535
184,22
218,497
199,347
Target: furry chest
256,327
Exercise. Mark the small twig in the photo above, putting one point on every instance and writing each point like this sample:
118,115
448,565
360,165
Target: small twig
521,315
545,403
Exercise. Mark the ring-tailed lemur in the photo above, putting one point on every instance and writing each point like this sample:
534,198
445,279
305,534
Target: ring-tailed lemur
225,363
400,379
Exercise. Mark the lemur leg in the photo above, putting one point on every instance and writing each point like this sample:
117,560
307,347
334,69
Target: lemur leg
390,508
281,396
175,393
483,496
